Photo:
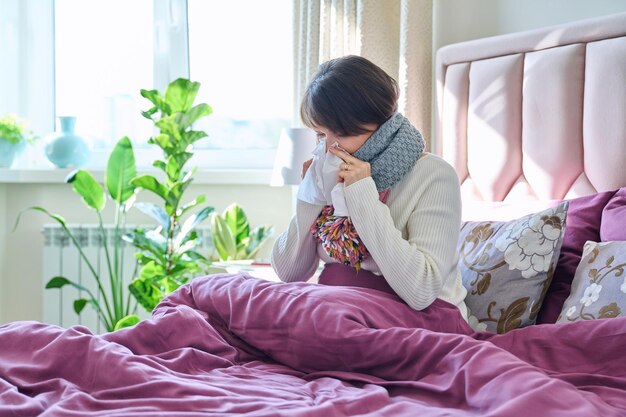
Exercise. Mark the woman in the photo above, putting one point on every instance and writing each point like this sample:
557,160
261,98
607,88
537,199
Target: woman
404,205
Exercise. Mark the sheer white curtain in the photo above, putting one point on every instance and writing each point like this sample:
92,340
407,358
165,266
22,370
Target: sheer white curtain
394,34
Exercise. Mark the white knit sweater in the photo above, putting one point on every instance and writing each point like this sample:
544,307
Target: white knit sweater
412,238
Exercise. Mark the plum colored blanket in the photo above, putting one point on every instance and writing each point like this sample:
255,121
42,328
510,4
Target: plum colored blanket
233,344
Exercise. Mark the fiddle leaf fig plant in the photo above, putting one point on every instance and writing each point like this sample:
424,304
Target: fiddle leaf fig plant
113,305
167,254
232,237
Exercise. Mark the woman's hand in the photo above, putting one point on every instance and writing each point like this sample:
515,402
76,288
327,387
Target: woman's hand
305,166
352,169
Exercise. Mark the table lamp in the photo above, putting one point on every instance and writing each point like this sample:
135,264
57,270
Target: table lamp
295,146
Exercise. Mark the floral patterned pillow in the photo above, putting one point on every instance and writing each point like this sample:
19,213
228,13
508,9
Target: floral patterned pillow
507,267
599,287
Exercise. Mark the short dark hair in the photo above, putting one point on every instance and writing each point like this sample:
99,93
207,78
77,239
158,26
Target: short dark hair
348,92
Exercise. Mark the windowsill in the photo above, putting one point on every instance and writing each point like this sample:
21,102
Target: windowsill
202,177
214,167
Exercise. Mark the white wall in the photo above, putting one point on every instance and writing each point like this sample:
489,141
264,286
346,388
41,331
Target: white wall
460,20
21,283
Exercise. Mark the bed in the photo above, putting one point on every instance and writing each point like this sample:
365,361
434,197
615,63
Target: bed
531,122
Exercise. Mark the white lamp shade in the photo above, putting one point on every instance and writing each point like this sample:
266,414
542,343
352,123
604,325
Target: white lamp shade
295,146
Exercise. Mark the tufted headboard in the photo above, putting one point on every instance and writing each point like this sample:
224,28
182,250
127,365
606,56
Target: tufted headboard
538,115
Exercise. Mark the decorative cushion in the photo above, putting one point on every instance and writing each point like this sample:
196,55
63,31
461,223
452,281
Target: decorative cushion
584,217
507,267
599,287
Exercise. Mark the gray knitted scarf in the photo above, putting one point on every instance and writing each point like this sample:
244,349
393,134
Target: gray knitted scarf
391,151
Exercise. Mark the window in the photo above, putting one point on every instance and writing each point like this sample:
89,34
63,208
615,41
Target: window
241,52
103,57
99,54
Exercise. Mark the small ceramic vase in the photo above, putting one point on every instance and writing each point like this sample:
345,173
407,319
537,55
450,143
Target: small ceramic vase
65,148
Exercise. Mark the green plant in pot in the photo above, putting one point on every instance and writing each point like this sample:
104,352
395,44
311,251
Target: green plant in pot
14,135
112,305
167,254
232,237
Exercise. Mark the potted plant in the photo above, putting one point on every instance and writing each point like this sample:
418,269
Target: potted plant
14,135
167,254
113,305
232,237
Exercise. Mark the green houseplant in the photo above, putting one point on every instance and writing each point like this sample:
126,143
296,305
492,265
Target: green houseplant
114,308
14,135
232,237
167,254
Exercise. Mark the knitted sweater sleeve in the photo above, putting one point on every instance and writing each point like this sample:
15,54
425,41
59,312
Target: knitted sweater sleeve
294,255
413,267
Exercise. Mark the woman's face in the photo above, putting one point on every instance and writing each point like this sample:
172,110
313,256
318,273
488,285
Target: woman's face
349,144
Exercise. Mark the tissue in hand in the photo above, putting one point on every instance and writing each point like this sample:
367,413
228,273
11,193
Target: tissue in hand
320,185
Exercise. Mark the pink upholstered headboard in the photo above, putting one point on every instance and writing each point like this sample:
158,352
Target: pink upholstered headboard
537,115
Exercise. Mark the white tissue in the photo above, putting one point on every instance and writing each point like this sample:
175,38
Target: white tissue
320,184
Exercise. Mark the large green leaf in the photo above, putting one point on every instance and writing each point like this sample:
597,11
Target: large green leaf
180,94
237,222
223,239
88,188
148,182
126,321
121,168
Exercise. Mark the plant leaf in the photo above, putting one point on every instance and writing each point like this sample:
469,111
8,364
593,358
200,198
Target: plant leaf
145,240
148,182
223,239
57,282
180,94
126,321
194,114
79,305
237,222
193,203
191,223
156,212
54,216
121,168
147,294
258,235
60,282
155,97
88,188
193,136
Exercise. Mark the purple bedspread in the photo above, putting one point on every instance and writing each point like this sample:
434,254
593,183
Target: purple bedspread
232,344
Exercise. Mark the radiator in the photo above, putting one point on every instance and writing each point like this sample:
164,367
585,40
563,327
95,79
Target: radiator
60,257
